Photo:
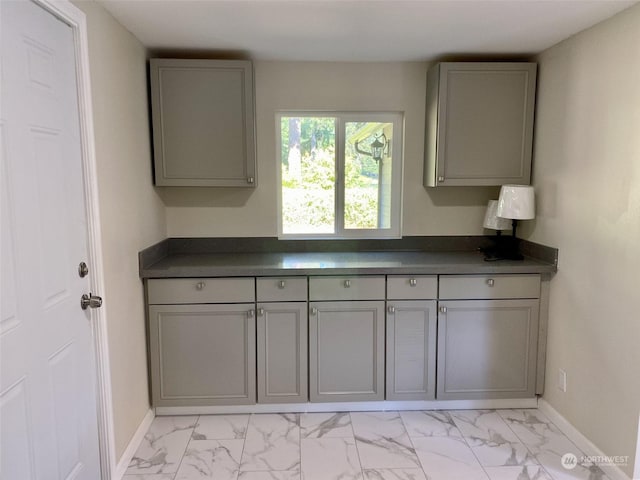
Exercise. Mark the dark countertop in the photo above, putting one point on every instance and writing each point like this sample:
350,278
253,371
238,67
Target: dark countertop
182,263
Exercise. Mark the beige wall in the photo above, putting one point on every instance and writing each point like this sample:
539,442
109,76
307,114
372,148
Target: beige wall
587,177
132,214
329,86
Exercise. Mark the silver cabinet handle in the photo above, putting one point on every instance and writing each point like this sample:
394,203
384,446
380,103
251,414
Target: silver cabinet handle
347,283
200,285
251,180
441,179
443,309
490,282
260,312
413,282
314,311
90,301
281,284
391,309
251,313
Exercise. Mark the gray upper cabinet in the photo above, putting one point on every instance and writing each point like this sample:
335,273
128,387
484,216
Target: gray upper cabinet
479,123
203,123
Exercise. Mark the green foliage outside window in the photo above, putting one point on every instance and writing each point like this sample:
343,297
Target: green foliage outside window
308,171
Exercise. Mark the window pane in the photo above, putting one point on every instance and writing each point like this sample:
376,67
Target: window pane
367,191
308,166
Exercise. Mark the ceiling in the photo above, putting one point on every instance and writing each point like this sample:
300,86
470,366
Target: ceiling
358,30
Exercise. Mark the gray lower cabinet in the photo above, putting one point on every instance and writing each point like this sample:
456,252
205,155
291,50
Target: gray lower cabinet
336,339
487,348
346,351
202,354
282,352
411,350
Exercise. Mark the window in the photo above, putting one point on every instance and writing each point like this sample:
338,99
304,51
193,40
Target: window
340,175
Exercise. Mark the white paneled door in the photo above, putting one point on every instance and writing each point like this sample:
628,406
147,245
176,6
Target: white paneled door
48,413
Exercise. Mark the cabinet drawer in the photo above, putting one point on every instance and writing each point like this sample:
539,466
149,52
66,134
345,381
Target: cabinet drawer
281,289
201,290
346,288
472,287
412,287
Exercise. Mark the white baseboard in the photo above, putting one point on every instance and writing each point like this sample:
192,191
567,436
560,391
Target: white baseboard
583,443
135,442
353,406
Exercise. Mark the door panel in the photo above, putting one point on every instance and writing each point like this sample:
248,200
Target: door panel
9,305
64,390
17,455
47,369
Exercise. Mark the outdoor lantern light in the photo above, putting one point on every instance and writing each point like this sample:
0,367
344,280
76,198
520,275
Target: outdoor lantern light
378,147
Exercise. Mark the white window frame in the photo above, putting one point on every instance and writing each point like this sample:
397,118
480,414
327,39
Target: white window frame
341,118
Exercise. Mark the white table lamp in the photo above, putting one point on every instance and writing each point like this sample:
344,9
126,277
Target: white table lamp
492,221
516,202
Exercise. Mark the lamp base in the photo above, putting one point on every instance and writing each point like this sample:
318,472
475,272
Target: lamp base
505,248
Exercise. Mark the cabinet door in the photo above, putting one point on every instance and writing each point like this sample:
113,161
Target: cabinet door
282,352
202,354
487,348
346,351
411,350
203,123
480,123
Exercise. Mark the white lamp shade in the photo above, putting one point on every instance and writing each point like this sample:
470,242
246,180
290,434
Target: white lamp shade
492,221
516,202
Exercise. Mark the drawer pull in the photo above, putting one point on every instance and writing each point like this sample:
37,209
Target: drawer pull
261,312
314,311
347,283
413,282
491,282
281,284
443,309
200,285
391,309
251,313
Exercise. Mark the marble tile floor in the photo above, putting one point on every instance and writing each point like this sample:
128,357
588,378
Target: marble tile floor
414,445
